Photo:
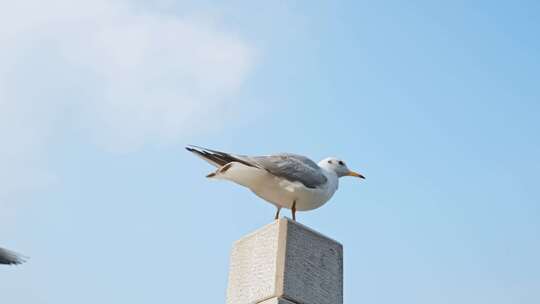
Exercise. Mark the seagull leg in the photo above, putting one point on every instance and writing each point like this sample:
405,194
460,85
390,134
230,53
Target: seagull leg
277,213
293,210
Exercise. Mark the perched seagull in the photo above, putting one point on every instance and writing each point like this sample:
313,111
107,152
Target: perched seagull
286,180
10,258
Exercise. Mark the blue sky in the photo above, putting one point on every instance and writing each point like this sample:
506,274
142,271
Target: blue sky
437,104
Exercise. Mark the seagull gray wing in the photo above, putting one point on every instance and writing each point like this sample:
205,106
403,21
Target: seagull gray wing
292,167
9,257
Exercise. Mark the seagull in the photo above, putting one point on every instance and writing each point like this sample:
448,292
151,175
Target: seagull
285,180
8,257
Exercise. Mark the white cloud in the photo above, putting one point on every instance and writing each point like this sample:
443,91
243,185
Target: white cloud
125,75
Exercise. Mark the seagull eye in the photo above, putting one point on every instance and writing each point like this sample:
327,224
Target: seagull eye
329,161
341,163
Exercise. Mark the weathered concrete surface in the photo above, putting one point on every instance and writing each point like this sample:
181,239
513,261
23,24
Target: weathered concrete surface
313,267
286,260
253,266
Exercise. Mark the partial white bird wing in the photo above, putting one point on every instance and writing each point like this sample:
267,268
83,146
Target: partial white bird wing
9,257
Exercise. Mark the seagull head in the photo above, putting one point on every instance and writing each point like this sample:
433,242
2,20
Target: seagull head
339,167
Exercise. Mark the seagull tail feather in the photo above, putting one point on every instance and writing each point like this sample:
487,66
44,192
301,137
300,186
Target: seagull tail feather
205,155
217,158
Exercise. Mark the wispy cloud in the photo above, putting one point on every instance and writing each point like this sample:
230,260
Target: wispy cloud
122,74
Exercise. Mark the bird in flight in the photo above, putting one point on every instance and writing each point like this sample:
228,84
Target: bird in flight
286,180
8,257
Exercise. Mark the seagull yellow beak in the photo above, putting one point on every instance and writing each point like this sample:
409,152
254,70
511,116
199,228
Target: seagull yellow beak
352,173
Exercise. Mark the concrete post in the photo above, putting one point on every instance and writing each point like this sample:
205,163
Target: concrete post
286,263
